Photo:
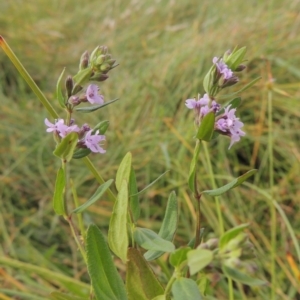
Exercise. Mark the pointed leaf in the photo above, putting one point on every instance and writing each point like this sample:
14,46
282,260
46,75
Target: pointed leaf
100,191
66,147
231,234
168,227
241,277
247,86
61,296
185,288
141,282
81,152
59,190
134,198
124,170
102,127
236,58
193,166
117,232
199,259
149,240
206,128
144,189
59,95
88,109
225,188
106,281
179,256
83,76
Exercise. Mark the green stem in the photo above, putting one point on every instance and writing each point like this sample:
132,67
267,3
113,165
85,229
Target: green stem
13,58
271,184
169,285
214,186
219,211
79,215
76,238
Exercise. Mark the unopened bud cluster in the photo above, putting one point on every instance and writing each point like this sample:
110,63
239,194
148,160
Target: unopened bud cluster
80,89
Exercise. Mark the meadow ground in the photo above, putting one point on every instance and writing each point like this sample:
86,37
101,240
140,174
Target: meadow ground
164,49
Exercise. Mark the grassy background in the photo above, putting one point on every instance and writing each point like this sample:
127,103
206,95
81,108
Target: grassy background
164,49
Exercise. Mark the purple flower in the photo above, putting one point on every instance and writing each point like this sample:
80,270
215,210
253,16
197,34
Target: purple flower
92,141
222,68
60,128
230,125
93,96
197,104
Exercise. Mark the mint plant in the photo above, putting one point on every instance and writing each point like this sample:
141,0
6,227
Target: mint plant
230,255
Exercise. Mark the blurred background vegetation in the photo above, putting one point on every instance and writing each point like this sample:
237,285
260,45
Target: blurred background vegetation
164,49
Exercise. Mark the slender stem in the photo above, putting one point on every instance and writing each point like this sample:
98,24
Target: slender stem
76,238
198,220
170,283
271,184
213,183
98,177
219,211
79,215
13,58
64,167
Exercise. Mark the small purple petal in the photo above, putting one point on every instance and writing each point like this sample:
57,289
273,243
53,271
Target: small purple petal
93,96
92,141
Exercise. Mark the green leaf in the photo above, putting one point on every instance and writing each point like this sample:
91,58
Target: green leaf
206,128
141,283
149,185
134,198
241,277
199,259
179,256
193,167
83,76
149,240
102,127
117,232
168,227
185,288
59,95
61,296
106,281
66,147
225,188
234,103
247,86
59,190
100,191
231,234
160,297
88,109
236,58
124,170
81,152
208,80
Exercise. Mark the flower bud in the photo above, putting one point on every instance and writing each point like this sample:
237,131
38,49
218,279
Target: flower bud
240,68
105,67
74,100
84,61
228,82
100,60
99,77
111,62
69,85
212,243
236,242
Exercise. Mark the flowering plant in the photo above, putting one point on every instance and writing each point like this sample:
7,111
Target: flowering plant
229,255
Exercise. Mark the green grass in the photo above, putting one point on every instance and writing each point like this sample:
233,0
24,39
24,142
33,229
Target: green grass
164,49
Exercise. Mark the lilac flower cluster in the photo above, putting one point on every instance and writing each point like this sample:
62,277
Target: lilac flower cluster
86,137
222,68
226,124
